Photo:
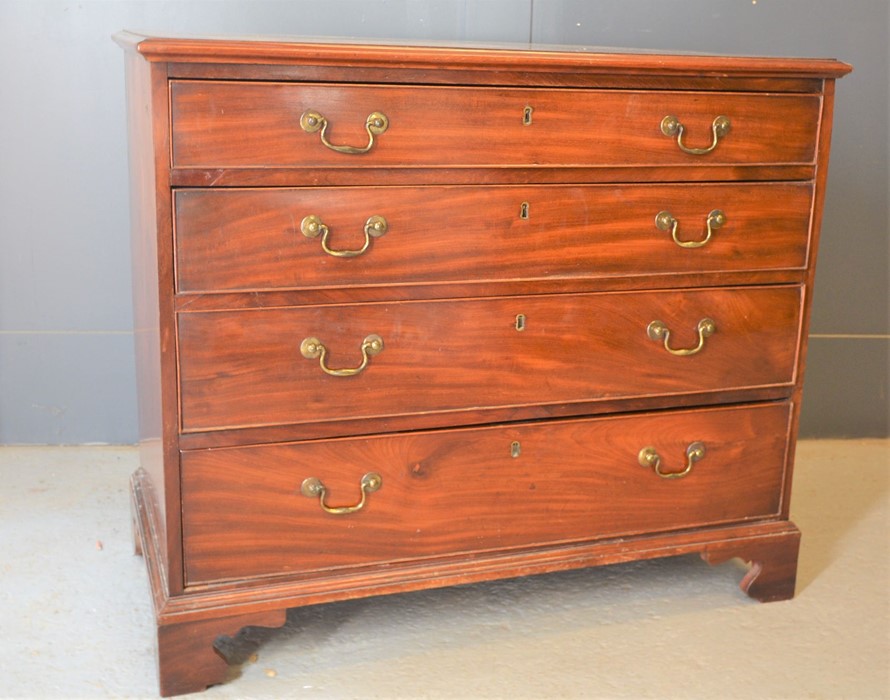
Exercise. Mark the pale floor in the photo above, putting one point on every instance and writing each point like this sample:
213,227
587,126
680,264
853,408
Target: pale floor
75,618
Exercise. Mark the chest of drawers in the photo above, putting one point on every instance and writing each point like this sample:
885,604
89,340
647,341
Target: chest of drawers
413,317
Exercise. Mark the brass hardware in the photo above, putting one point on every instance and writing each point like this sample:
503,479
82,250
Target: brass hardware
312,348
520,322
658,331
313,488
376,123
312,226
523,210
671,126
665,222
527,115
515,449
650,458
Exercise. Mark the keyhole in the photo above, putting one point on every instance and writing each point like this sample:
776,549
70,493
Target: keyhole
520,322
523,210
515,449
527,116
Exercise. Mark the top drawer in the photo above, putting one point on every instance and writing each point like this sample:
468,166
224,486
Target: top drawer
251,124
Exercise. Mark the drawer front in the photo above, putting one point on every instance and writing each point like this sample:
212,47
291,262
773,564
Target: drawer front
246,368
253,239
475,490
245,124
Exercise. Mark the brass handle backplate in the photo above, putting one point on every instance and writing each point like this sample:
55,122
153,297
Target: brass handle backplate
666,222
312,226
650,459
314,488
312,348
671,126
376,123
658,331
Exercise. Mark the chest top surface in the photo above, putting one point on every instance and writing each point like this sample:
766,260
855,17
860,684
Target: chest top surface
444,56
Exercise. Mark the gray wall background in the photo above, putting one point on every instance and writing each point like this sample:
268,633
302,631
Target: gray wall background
66,345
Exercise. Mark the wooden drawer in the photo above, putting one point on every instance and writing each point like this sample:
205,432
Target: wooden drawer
218,124
251,239
245,368
474,490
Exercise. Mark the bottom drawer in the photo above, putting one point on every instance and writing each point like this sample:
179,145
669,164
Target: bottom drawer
463,491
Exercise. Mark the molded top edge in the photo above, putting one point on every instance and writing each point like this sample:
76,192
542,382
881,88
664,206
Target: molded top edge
466,56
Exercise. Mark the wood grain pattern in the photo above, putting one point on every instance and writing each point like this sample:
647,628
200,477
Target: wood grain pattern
187,659
701,172
821,180
491,76
251,240
244,368
152,280
456,491
222,174
773,564
223,124
516,62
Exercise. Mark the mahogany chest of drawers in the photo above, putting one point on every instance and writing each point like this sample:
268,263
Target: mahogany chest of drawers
412,317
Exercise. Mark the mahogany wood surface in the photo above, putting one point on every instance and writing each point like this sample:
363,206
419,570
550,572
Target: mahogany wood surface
226,287
152,301
200,602
187,660
225,124
244,368
284,432
433,75
412,291
447,492
194,616
251,239
773,561
459,59
352,175
821,178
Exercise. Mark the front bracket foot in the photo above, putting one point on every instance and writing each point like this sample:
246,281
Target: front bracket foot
773,562
188,662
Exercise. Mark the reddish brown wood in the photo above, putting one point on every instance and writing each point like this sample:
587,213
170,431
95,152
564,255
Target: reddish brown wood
475,490
253,299
134,530
270,593
187,659
773,563
265,593
244,368
825,128
149,525
485,76
252,239
507,58
152,274
219,358
227,124
350,175
465,417
413,574
145,265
